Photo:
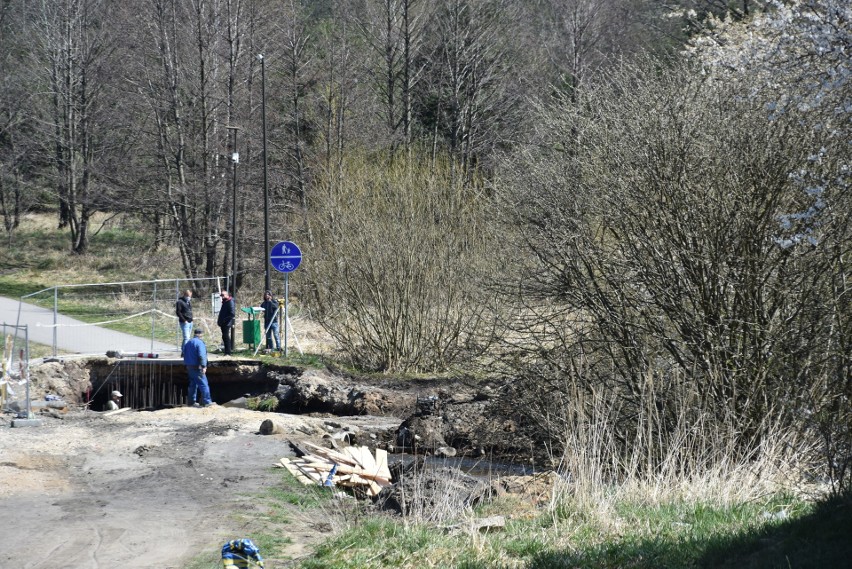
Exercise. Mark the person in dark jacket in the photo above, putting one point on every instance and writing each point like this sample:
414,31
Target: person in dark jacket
270,320
227,321
183,309
195,359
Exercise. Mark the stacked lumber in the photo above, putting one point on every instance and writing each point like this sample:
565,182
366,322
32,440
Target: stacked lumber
353,467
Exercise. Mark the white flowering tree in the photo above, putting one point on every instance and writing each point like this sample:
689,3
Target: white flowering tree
797,57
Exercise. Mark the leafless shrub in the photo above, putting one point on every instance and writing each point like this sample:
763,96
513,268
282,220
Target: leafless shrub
680,235
400,251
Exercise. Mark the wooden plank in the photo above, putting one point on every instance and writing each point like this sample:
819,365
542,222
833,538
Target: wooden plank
117,411
332,455
306,470
367,460
374,488
355,453
355,479
382,461
300,452
346,469
296,472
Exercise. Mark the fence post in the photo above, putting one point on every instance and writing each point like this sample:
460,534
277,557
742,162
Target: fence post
25,353
153,315
180,329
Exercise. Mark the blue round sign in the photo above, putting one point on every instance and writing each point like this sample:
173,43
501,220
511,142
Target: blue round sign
285,257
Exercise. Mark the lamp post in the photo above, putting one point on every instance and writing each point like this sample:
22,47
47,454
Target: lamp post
265,260
235,159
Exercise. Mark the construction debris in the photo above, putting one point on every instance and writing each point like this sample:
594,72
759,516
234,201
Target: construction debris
352,467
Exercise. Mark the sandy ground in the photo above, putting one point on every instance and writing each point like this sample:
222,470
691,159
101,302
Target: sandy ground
145,488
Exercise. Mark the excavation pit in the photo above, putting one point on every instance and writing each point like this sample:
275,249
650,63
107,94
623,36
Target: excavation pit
161,383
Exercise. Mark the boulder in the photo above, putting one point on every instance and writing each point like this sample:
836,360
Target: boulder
318,391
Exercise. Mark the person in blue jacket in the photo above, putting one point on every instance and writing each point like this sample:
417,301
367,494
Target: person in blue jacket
195,359
226,321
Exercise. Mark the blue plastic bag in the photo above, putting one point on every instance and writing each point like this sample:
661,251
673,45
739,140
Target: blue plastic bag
241,553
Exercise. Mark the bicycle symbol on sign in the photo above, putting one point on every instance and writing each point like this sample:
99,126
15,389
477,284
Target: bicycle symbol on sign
286,266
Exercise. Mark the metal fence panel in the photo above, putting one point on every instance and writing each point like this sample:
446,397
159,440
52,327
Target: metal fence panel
123,317
14,372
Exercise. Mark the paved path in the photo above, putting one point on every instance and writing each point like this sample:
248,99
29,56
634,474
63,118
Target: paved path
73,335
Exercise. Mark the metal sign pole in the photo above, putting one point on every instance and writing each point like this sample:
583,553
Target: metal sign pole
153,316
285,257
286,311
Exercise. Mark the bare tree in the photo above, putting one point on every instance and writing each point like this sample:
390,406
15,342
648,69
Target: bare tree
73,45
12,117
201,83
392,29
471,61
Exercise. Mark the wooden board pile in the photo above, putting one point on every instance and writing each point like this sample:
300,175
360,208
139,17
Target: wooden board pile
353,467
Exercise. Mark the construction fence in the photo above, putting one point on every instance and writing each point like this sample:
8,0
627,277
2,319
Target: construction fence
124,317
14,372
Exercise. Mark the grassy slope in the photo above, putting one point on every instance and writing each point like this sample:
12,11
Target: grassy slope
39,256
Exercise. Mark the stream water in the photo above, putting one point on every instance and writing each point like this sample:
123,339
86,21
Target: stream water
476,467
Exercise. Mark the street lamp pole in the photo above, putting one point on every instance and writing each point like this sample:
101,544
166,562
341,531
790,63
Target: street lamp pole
235,159
265,260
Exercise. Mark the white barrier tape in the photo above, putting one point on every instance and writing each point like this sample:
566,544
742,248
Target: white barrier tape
105,321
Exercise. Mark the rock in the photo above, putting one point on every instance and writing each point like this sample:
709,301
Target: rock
285,394
445,451
317,391
422,431
269,427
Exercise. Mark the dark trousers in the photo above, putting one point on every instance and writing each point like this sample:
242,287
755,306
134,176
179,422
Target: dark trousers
227,339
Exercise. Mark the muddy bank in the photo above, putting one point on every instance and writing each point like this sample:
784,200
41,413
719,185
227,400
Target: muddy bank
444,417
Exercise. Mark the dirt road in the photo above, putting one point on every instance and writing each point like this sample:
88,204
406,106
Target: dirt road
142,488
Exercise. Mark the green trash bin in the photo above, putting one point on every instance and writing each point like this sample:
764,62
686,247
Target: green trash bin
252,326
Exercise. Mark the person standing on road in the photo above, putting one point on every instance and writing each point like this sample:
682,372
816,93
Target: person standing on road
115,401
227,320
195,359
270,320
183,309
